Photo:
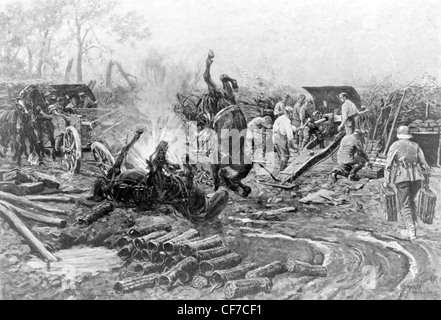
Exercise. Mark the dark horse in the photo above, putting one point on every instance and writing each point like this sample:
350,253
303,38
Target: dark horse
225,132
34,101
14,124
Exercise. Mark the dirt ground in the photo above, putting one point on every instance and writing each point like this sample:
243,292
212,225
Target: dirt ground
363,253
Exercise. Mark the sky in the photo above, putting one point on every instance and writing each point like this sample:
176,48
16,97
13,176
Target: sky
296,42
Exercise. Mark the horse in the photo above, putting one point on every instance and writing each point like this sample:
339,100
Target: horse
13,128
43,128
225,139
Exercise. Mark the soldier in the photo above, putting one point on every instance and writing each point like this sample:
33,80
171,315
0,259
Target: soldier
280,107
283,138
296,120
60,122
349,113
407,169
312,129
351,157
72,104
87,101
255,133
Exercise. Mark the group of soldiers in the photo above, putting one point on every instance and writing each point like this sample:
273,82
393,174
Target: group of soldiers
406,168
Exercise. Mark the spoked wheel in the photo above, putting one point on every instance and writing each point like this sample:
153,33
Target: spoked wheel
72,150
103,158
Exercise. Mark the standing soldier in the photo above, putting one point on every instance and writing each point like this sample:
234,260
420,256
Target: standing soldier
283,138
280,107
406,168
255,135
349,113
296,120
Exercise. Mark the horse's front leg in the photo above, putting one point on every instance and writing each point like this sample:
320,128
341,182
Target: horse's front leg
215,173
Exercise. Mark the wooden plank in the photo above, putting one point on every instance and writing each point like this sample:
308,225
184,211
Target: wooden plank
31,239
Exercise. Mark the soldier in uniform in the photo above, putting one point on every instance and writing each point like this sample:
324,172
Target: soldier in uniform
407,169
86,101
351,157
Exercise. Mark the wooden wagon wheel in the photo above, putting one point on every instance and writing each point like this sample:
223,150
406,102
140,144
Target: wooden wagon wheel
103,158
72,150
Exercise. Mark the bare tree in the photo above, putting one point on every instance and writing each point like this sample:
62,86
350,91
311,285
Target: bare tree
89,16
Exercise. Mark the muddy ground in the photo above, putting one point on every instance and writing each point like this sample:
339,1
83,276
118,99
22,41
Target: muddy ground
364,254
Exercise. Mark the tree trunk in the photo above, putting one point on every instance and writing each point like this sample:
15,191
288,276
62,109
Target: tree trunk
80,64
68,70
126,75
39,74
109,74
30,63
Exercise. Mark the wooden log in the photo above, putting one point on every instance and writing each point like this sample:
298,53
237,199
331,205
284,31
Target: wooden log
17,176
209,254
133,284
156,244
143,231
182,270
36,217
11,187
190,248
305,269
228,261
30,238
219,277
32,188
239,288
170,246
268,271
141,243
24,203
47,180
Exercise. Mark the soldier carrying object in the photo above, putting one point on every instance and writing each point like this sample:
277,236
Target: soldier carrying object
407,169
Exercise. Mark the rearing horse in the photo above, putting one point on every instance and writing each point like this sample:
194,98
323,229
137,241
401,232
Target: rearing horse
225,121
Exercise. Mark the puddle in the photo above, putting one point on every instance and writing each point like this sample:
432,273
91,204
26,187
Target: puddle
80,260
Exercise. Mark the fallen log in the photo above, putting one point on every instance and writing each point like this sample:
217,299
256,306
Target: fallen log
30,238
171,246
305,269
238,288
11,187
24,203
134,284
219,277
211,253
36,217
208,243
228,261
43,198
268,271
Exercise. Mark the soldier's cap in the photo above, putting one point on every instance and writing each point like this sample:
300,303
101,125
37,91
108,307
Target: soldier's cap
403,132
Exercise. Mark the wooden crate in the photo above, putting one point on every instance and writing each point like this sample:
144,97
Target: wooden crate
426,205
389,204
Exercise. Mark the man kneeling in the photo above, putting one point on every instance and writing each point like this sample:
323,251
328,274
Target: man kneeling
351,157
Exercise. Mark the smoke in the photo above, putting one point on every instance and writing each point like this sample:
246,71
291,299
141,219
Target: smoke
153,111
